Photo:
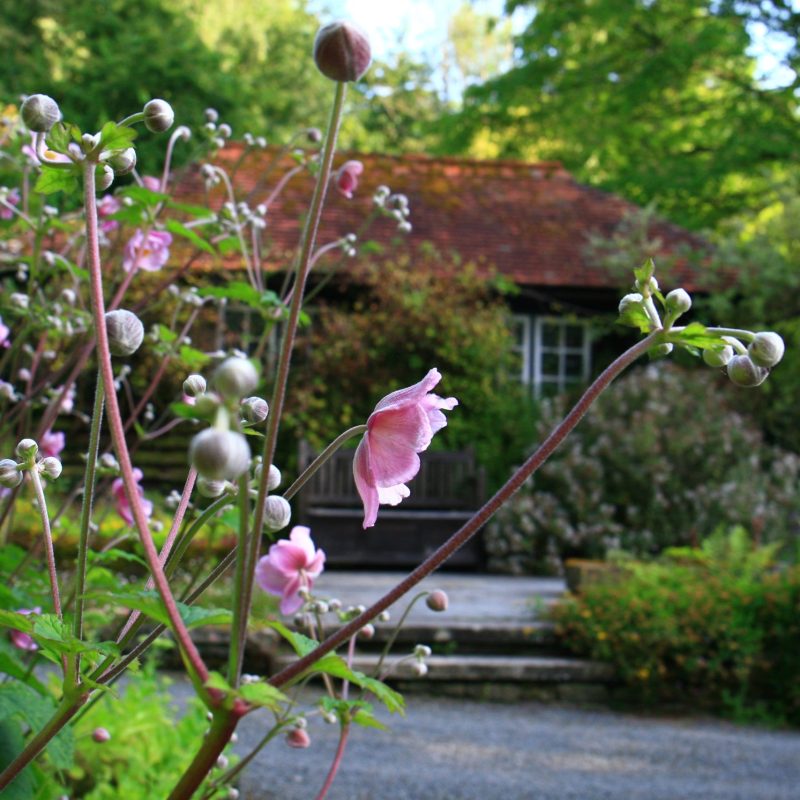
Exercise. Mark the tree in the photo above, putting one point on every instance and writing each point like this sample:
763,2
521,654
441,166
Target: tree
655,100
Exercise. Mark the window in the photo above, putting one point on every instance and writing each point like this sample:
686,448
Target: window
553,352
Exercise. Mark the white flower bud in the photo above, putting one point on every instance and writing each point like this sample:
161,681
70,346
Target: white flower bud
27,448
254,410
40,112
367,632
743,372
274,478
662,349
10,476
766,350
123,161
277,513
209,488
235,378
68,296
158,116
19,300
219,455
718,358
51,467
422,651
420,669
125,332
224,130
194,385
108,461
106,178
629,300
211,114
678,302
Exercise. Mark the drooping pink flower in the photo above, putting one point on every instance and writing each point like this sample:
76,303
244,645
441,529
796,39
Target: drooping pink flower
291,565
121,496
151,183
12,198
347,177
52,443
21,640
5,332
401,426
149,253
107,206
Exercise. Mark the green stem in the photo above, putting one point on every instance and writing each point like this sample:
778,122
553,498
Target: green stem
393,638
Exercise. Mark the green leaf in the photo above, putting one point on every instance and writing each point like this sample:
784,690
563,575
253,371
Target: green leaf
696,335
11,745
165,334
194,211
393,700
114,137
179,229
19,622
192,359
635,316
367,720
645,272
302,645
263,695
235,290
218,682
150,604
229,245
54,179
58,138
185,411
114,554
145,196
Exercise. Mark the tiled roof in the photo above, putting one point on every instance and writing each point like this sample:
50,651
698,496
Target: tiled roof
531,222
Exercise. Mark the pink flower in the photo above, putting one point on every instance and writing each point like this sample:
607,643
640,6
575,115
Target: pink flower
4,334
291,565
24,641
402,425
107,206
51,443
151,183
347,177
123,506
148,253
12,198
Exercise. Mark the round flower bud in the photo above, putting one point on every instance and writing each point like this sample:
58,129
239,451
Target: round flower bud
274,478
219,455
766,350
194,385
678,301
206,404
106,178
743,372
298,737
27,448
630,299
40,112
420,669
718,358
10,476
437,600
235,377
342,51
662,349
158,116
422,651
254,410
51,467
314,135
367,632
277,513
125,332
100,735
124,161
209,488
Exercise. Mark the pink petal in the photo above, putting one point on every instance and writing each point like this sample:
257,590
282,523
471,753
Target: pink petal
365,483
316,565
291,604
411,394
301,537
269,578
287,557
395,436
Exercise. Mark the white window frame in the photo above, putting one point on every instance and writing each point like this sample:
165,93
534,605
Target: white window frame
523,346
539,349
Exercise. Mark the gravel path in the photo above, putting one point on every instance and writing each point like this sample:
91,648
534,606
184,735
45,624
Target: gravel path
464,750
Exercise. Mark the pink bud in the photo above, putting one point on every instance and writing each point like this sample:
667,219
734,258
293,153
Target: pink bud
100,735
342,51
437,600
298,737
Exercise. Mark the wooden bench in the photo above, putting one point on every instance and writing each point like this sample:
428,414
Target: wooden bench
445,493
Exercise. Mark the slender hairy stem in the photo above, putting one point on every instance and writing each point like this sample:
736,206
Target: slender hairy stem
239,626
48,540
198,671
476,522
393,638
337,760
86,515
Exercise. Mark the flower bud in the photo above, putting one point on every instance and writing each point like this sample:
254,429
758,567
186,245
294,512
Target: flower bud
678,302
314,135
19,300
662,349
718,358
254,410
437,600
235,378
27,449
123,161
298,737
209,488
422,651
194,385
743,372
766,350
100,735
274,478
51,467
40,112
219,455
342,51
108,461
158,116
222,762
106,178
420,669
206,404
10,476
367,632
630,299
277,513
125,332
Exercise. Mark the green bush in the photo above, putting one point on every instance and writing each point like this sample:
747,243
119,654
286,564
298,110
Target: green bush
659,460
715,628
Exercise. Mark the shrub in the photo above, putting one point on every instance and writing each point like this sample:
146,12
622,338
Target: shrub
718,632
607,487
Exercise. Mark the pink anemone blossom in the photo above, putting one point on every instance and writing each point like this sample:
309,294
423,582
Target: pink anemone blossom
107,206
149,253
121,496
151,183
12,198
401,426
51,443
20,639
347,177
291,565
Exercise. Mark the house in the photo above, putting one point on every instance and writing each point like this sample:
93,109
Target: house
531,223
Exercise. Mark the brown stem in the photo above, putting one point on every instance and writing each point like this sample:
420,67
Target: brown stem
337,760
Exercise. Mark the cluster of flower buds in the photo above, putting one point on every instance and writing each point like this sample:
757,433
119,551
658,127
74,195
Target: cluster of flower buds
232,216
418,665
393,205
27,451
747,366
254,141
218,132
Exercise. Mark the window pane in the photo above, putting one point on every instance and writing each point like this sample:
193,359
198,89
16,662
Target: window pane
573,365
550,334
550,364
574,335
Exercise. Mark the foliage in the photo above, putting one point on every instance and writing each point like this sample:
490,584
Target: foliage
716,628
447,316
677,113
608,487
